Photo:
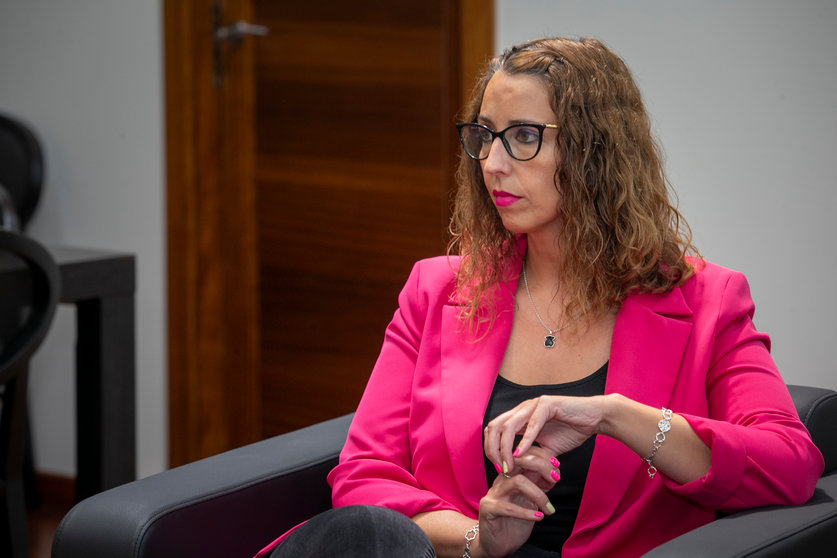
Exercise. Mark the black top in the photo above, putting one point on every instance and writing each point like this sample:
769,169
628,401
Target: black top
551,532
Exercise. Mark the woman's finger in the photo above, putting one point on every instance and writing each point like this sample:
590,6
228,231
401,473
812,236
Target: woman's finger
539,465
534,422
506,496
500,436
527,419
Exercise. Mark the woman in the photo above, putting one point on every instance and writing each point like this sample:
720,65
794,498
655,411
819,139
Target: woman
576,382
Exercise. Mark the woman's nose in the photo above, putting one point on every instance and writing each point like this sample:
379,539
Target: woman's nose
497,159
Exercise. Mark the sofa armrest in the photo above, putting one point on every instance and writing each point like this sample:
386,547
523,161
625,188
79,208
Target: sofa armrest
806,530
817,408
230,504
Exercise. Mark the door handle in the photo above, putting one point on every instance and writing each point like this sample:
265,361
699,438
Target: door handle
232,35
238,30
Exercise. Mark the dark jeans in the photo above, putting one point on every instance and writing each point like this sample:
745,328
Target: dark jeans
369,532
360,532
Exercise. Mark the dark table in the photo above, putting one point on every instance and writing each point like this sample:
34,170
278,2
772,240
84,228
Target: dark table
102,286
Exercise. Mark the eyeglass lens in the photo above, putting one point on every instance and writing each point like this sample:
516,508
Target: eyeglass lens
522,141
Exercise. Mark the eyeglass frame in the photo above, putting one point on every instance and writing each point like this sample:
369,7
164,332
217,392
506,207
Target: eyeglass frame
502,135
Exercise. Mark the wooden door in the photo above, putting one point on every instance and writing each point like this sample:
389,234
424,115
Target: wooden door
307,170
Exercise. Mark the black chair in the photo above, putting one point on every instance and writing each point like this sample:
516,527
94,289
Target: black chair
29,291
21,173
21,183
234,503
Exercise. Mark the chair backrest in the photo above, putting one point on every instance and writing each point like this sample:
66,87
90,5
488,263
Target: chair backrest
21,169
29,292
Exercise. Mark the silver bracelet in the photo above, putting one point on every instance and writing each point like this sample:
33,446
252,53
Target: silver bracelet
664,425
470,535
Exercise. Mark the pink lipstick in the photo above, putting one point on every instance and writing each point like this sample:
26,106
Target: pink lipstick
504,199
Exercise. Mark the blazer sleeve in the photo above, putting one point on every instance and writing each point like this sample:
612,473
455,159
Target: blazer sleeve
761,452
375,464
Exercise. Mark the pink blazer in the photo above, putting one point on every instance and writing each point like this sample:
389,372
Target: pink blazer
415,442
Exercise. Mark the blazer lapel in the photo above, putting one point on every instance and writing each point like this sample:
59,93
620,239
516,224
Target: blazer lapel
469,367
469,370
649,341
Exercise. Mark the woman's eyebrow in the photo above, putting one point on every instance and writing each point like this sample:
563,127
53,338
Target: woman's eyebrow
528,121
484,120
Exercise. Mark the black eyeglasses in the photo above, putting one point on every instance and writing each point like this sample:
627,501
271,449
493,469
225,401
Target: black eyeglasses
522,141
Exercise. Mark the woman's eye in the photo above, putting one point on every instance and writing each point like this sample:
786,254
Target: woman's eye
485,136
526,134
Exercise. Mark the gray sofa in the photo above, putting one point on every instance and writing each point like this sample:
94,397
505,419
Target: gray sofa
234,503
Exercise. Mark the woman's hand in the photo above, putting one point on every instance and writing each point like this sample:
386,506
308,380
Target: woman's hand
514,503
557,423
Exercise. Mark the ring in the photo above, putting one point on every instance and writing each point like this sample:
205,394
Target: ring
508,476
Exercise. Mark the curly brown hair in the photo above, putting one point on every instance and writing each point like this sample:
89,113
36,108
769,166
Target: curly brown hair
625,233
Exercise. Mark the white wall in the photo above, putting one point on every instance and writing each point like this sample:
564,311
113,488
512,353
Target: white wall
743,96
87,75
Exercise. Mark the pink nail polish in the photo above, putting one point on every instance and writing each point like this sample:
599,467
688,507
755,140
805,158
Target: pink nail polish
516,453
539,515
499,469
555,462
556,476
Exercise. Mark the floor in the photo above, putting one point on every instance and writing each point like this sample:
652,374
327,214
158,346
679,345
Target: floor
42,523
49,497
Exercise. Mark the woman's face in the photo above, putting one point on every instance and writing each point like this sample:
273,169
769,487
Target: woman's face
524,192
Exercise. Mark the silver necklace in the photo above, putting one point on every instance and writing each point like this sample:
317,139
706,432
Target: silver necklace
549,338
